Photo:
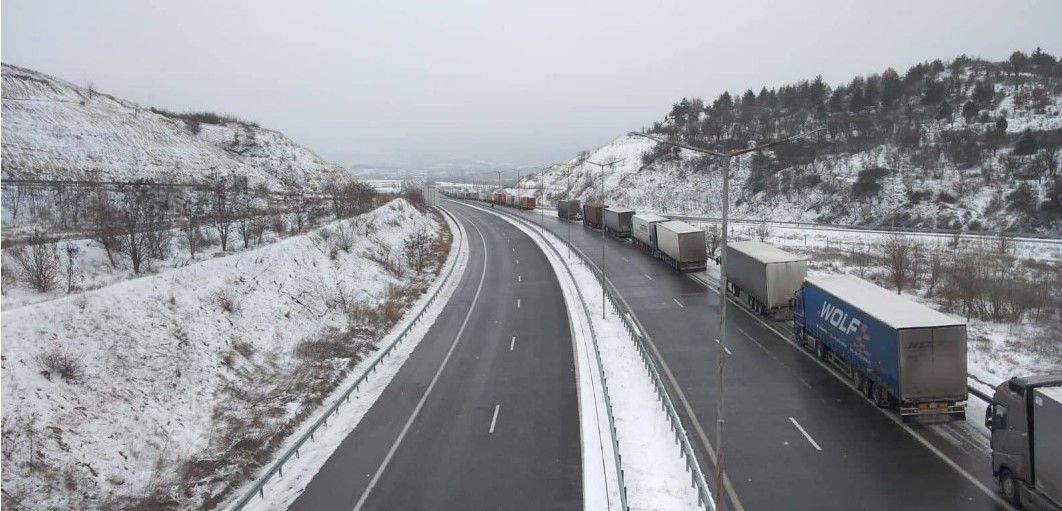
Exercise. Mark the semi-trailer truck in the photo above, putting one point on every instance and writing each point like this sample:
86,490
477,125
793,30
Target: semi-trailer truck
682,245
569,210
643,227
1025,418
618,221
766,275
592,214
899,353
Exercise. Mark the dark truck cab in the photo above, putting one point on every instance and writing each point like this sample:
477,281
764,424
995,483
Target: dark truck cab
1025,418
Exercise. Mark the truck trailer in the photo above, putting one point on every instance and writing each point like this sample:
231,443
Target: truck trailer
767,276
569,210
643,227
1025,418
592,213
618,221
899,353
527,203
499,197
682,245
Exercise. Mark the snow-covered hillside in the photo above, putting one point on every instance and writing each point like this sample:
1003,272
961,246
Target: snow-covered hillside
53,129
164,391
911,161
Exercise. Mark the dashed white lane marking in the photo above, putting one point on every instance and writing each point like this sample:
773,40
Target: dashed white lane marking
494,420
517,261
512,343
727,350
626,260
647,276
517,303
795,423
679,303
519,278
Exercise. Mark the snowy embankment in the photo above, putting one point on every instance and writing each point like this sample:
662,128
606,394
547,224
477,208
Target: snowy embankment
169,390
280,492
654,471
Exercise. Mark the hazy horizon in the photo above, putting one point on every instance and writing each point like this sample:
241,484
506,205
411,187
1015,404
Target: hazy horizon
478,82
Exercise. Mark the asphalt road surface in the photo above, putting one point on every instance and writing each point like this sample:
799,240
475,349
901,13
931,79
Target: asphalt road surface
795,436
484,414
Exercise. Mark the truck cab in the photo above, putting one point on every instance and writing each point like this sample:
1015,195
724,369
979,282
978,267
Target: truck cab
1025,418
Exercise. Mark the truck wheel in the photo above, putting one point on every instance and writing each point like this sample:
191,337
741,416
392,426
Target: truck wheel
1009,487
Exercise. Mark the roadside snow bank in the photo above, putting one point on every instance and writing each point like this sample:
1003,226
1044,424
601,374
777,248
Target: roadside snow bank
169,390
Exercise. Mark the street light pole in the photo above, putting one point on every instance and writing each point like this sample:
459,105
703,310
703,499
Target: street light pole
721,355
602,166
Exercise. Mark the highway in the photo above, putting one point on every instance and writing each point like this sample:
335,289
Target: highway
795,436
484,413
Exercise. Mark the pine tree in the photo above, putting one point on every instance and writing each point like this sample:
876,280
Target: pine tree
891,87
969,111
944,111
1026,143
1001,124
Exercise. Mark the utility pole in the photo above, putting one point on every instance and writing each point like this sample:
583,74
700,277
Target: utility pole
721,354
602,166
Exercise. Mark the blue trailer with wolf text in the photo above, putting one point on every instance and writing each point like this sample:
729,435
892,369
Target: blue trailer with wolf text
898,353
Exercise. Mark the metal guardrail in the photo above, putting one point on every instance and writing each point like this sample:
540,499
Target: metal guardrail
697,479
278,467
600,366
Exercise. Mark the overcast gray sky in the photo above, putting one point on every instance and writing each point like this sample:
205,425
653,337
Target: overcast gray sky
522,83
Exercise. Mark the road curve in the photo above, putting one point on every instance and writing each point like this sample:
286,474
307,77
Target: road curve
484,413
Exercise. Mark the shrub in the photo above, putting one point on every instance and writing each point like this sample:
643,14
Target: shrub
868,182
60,363
39,262
226,300
1022,199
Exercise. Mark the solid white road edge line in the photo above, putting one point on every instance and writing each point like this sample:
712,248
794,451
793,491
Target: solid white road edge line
438,372
798,426
679,303
512,343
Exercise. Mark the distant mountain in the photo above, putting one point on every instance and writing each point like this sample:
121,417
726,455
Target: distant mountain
966,144
53,129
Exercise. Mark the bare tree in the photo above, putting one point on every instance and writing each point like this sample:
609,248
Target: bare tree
194,210
105,230
39,262
221,211
416,248
72,251
896,250
142,214
762,231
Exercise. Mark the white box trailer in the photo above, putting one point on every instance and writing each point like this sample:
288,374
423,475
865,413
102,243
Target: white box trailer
682,245
767,275
643,227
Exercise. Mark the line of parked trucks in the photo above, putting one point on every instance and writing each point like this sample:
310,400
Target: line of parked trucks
898,353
